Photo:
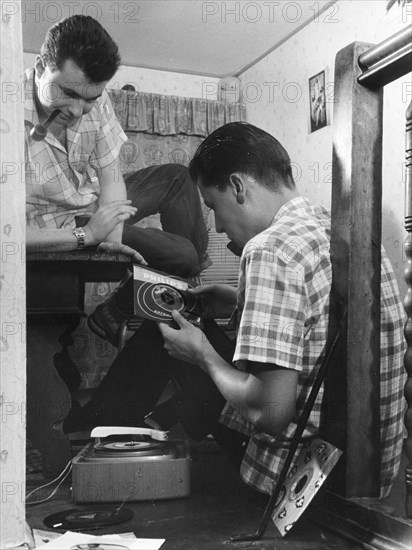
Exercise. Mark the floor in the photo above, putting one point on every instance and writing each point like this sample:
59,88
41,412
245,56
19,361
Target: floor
219,506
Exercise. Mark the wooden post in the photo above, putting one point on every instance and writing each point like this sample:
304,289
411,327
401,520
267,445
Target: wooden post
353,383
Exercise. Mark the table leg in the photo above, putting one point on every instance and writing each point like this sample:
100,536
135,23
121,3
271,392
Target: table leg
48,399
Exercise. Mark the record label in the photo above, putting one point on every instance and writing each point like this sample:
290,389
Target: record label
156,295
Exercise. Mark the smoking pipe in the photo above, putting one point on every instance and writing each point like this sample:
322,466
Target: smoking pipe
39,131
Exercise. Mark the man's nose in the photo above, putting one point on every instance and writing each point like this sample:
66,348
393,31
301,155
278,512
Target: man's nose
76,107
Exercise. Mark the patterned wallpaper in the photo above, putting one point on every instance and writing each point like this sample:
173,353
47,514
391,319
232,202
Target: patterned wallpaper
164,82
276,92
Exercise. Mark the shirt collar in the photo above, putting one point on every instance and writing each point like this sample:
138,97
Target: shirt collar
296,205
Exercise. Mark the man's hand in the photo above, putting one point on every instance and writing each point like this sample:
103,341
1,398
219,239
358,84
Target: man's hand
105,220
218,301
187,343
120,248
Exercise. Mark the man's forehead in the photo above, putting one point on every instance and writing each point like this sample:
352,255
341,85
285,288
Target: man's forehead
86,90
71,77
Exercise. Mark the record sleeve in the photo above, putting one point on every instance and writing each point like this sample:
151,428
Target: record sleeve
157,294
314,463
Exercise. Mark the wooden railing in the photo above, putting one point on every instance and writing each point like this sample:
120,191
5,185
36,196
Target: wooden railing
381,65
352,390
349,506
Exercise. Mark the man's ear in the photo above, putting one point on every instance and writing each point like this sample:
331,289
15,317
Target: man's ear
39,66
237,184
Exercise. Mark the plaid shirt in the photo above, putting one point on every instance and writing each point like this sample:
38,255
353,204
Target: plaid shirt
60,183
283,313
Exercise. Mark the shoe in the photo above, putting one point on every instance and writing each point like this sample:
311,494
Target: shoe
106,322
163,417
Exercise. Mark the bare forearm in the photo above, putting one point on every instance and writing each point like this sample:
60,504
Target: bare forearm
112,188
52,240
267,399
237,387
116,235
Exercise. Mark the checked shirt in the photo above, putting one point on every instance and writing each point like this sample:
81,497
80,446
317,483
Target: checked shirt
283,310
62,184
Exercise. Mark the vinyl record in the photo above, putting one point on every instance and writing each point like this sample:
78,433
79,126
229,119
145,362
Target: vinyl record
157,301
92,518
127,446
143,448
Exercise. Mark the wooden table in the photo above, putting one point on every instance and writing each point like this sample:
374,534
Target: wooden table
55,281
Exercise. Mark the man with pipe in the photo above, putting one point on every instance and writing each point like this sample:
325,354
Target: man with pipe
76,195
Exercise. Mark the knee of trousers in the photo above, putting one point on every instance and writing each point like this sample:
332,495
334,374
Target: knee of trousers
186,260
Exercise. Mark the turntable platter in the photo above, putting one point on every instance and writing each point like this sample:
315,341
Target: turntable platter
148,450
127,446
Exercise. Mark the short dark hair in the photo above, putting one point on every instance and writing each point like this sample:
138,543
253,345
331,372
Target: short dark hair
83,40
242,147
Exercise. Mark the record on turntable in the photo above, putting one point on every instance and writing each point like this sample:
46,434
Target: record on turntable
131,464
157,294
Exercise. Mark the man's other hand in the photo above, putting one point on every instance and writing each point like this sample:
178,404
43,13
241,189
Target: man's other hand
106,218
120,248
187,343
218,300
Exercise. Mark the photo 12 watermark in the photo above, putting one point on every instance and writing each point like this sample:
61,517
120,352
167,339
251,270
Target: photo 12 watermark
34,12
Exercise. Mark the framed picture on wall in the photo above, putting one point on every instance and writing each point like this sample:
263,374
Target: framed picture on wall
317,99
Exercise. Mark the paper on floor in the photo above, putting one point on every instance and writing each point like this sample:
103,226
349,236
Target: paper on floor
69,540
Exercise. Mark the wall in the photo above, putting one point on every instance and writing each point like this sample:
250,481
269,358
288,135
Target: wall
157,82
277,97
12,296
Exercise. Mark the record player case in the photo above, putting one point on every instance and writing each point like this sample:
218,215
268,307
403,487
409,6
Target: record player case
131,470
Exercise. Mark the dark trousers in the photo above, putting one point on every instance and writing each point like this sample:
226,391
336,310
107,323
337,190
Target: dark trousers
168,190
137,378
179,247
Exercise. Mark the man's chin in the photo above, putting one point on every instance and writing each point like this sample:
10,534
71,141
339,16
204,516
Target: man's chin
234,248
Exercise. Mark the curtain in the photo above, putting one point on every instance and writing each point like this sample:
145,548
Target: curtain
13,531
172,115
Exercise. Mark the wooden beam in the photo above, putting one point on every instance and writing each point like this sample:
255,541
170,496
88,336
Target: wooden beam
353,384
387,61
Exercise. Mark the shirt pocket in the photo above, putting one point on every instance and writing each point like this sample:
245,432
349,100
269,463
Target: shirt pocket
45,182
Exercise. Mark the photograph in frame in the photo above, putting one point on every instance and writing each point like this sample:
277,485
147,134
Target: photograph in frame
317,98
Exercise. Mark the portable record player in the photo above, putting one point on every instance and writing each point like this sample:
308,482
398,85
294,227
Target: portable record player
131,464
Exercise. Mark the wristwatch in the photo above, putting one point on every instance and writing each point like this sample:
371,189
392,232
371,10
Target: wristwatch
80,235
